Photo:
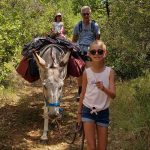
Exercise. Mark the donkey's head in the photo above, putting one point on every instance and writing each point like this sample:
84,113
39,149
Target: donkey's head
52,76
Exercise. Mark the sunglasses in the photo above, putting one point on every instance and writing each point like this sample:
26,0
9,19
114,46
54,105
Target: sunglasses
85,14
94,51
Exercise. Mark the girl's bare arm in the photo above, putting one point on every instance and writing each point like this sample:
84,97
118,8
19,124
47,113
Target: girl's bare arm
84,85
111,91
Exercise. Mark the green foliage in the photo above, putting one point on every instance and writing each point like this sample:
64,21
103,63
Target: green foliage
131,113
20,21
142,96
126,31
127,34
95,5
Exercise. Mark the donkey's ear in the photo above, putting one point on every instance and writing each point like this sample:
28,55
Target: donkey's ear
65,59
40,62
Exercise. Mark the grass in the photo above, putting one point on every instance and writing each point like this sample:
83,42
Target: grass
131,113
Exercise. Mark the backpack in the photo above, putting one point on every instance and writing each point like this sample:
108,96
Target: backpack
25,69
92,26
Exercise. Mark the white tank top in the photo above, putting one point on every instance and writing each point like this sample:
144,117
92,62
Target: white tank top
94,97
58,26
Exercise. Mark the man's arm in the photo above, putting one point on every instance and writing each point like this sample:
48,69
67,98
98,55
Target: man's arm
97,30
75,34
74,38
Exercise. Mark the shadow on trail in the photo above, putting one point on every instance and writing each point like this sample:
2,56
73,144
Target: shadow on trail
17,121
21,125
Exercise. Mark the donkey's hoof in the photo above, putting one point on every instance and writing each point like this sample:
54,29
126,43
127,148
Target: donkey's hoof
44,138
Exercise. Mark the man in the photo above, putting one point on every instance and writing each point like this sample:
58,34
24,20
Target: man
84,33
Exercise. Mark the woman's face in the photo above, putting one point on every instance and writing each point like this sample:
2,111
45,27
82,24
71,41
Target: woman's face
96,53
58,18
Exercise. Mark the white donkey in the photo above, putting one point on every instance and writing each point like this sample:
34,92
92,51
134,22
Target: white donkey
52,62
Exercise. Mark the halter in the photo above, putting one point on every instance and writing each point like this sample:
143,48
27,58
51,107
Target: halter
56,104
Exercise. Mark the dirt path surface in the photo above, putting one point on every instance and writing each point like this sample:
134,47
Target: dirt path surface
21,118
21,121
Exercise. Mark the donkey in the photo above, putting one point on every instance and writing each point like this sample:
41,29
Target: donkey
52,63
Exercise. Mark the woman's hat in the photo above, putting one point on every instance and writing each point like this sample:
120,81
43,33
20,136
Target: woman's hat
58,14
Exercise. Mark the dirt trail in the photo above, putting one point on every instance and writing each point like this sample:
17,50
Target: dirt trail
21,121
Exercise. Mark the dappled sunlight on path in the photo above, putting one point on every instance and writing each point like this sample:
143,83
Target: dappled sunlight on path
21,122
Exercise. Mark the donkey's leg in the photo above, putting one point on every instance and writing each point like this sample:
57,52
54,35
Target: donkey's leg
46,118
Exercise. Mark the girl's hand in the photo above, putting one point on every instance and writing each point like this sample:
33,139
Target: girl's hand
100,85
79,118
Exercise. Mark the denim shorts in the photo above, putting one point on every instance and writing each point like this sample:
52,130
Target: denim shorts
100,118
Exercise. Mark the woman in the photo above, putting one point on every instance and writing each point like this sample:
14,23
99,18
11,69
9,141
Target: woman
58,26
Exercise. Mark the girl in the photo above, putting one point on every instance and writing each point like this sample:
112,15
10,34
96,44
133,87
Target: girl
98,86
58,26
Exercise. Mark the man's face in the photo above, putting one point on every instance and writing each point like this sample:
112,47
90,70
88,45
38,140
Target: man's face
86,14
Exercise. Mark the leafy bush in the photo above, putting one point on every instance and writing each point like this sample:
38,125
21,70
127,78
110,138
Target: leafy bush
126,31
127,63
131,113
142,97
20,22
127,37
